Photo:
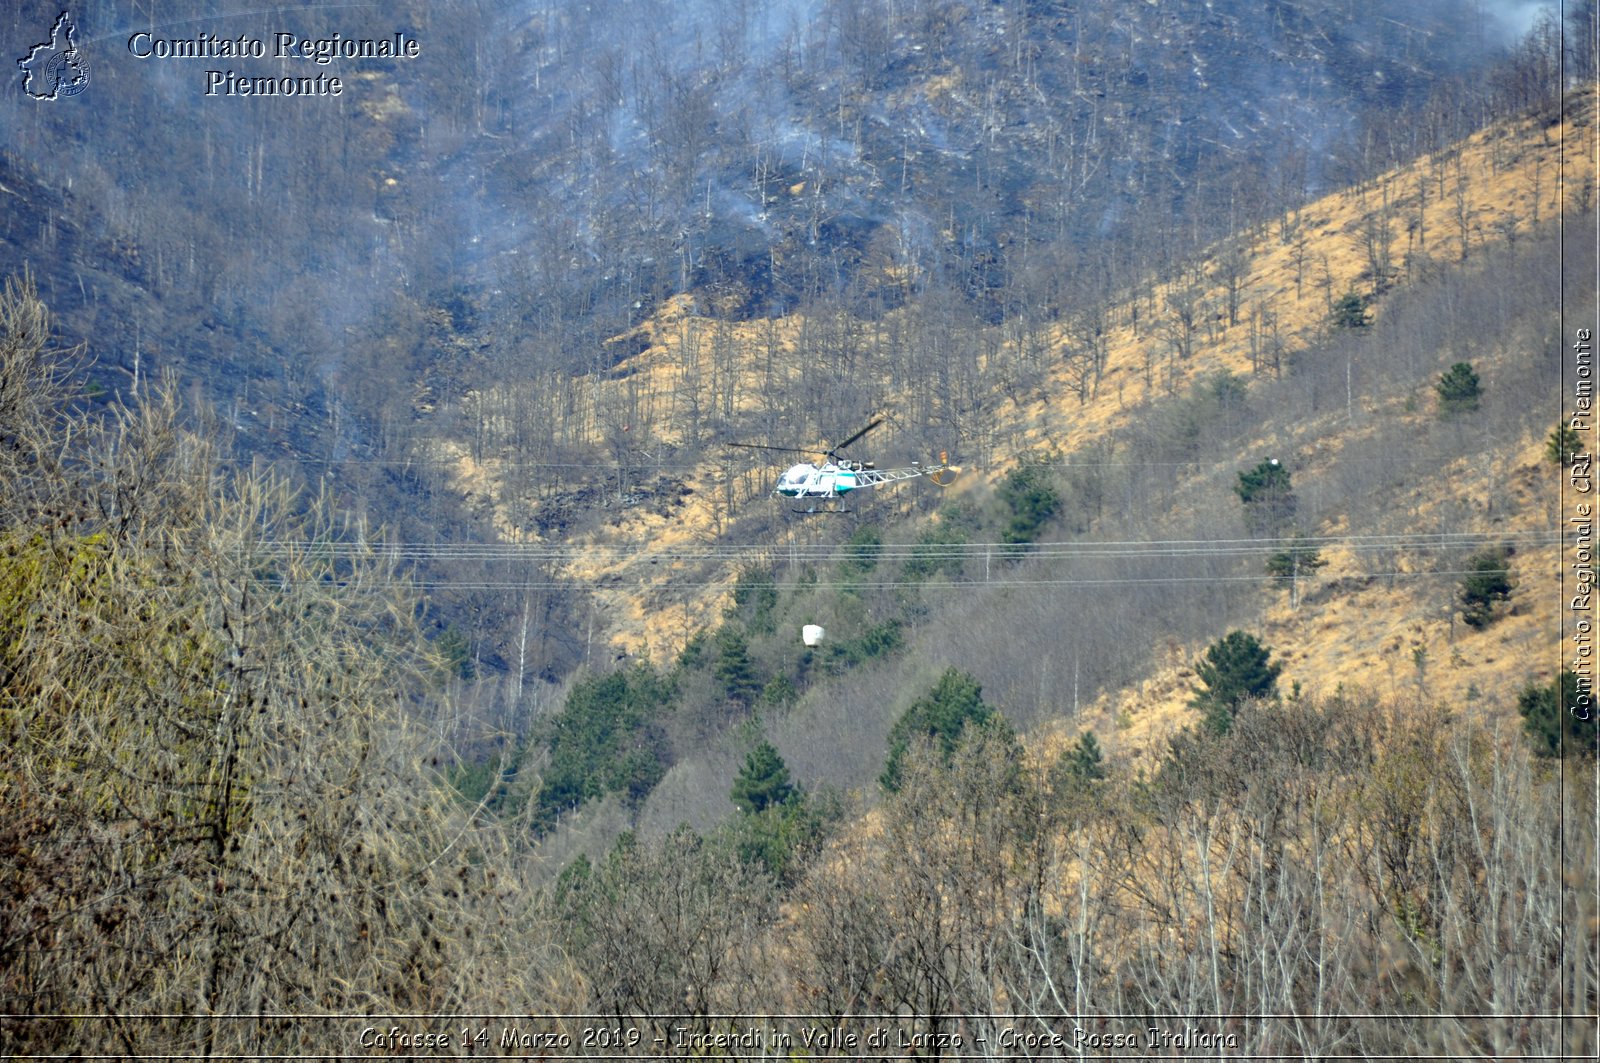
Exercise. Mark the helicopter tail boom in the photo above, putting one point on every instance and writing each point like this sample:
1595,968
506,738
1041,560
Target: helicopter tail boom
879,477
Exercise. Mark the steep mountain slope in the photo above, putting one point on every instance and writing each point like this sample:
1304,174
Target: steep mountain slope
247,763
482,231
1249,308
1143,425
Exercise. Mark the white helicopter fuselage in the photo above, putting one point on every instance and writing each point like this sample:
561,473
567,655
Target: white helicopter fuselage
813,481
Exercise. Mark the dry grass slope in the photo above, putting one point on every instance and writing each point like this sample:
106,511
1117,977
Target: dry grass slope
1282,278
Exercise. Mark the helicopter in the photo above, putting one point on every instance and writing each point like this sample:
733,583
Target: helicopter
832,475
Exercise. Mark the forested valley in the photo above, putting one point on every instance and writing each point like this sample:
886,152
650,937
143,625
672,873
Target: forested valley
397,657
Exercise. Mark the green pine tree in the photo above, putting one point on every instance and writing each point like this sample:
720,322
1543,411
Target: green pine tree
1294,564
1559,719
734,668
1458,390
1268,497
780,690
1032,499
1350,311
1296,561
1563,443
1486,584
860,555
755,600
936,550
954,702
1235,667
763,782
603,740
1085,762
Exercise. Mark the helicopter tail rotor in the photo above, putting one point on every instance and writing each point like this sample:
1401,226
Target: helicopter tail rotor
945,474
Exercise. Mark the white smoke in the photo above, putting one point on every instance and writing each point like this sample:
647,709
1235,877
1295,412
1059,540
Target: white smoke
1516,17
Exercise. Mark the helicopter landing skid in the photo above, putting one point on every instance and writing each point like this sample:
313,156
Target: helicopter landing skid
820,511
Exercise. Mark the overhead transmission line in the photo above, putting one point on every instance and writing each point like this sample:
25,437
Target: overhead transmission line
1043,568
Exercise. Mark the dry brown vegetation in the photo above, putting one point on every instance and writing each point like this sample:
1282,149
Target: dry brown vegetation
1327,863
1333,877
220,801
1248,306
216,803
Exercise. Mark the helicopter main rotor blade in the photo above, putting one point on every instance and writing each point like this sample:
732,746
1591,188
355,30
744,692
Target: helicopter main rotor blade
763,446
834,452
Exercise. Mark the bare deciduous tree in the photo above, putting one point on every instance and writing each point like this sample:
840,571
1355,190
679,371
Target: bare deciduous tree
216,804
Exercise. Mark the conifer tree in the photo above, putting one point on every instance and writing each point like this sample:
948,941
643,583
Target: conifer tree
1558,718
734,667
955,701
1033,500
1235,667
1085,761
1458,390
1486,584
763,782
1293,564
1268,497
1563,442
1350,311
